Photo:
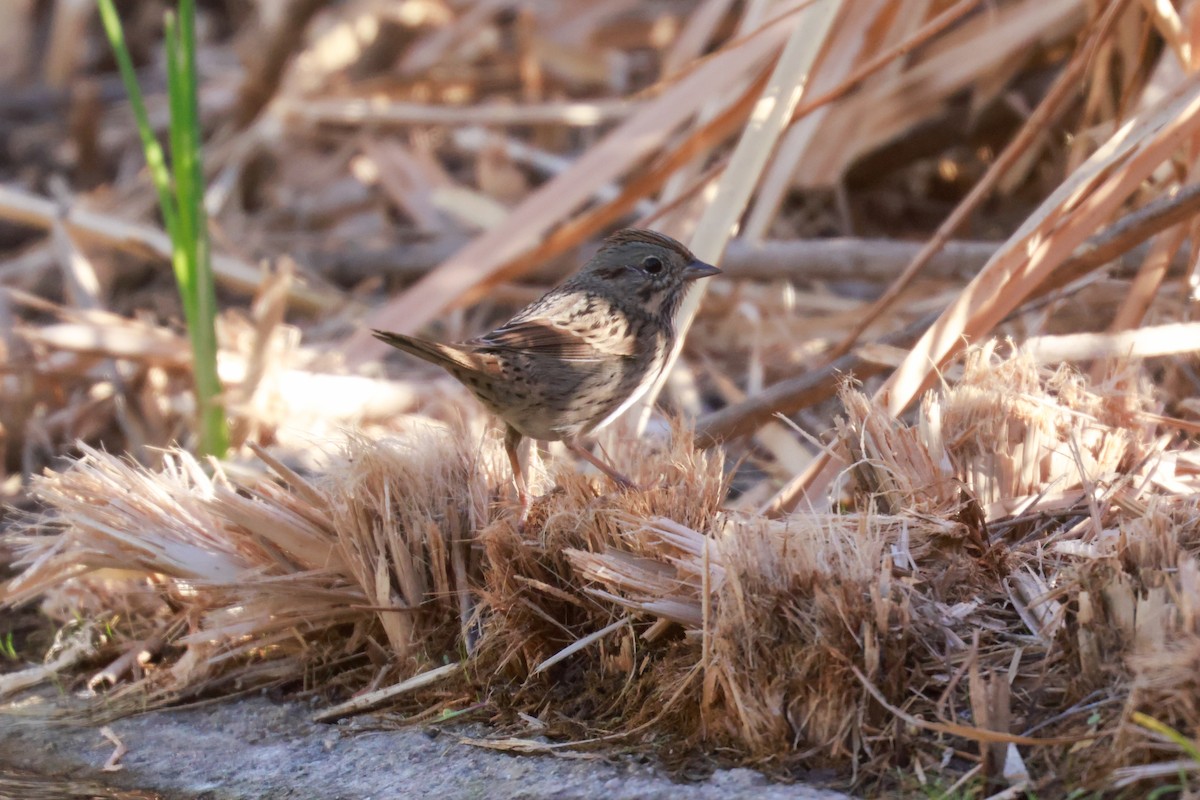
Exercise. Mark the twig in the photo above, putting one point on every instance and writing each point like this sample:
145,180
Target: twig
372,699
789,396
847,258
17,205
839,259
358,111
880,259
576,646
347,264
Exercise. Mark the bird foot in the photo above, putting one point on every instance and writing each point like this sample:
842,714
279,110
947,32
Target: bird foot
616,477
523,519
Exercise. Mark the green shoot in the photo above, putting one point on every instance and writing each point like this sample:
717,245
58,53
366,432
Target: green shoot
181,198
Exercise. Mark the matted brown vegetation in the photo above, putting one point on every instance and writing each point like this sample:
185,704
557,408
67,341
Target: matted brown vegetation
1020,558
987,582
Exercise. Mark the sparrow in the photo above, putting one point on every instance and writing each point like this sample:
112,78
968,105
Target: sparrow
575,359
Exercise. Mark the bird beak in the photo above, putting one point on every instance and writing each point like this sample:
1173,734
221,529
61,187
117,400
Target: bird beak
698,269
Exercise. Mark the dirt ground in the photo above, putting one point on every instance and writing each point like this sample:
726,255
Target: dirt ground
259,748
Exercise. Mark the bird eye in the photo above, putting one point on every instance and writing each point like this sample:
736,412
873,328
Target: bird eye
652,265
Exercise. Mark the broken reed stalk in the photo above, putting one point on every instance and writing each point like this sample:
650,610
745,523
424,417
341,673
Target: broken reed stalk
181,200
783,92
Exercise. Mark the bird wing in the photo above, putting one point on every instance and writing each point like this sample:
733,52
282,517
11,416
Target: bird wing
540,337
556,326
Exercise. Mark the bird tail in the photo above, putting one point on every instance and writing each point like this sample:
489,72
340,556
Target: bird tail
445,356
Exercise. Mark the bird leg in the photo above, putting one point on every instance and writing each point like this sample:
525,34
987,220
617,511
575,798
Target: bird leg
600,464
512,439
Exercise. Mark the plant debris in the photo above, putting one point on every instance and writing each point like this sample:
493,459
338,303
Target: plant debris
974,567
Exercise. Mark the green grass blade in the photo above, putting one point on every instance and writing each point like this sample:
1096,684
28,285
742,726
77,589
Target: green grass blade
181,196
155,160
176,133
204,341
195,278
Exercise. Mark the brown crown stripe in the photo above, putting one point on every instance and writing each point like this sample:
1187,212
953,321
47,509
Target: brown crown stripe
629,235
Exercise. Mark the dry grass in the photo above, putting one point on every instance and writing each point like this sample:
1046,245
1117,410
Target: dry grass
979,563
1013,569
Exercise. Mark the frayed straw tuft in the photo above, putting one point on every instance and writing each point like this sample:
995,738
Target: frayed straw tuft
1015,568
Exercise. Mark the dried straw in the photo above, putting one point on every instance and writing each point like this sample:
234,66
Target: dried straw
1016,552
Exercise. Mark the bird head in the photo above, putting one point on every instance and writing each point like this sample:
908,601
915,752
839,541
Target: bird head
652,269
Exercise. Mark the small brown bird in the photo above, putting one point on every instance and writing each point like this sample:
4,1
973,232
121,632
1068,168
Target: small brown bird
573,361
